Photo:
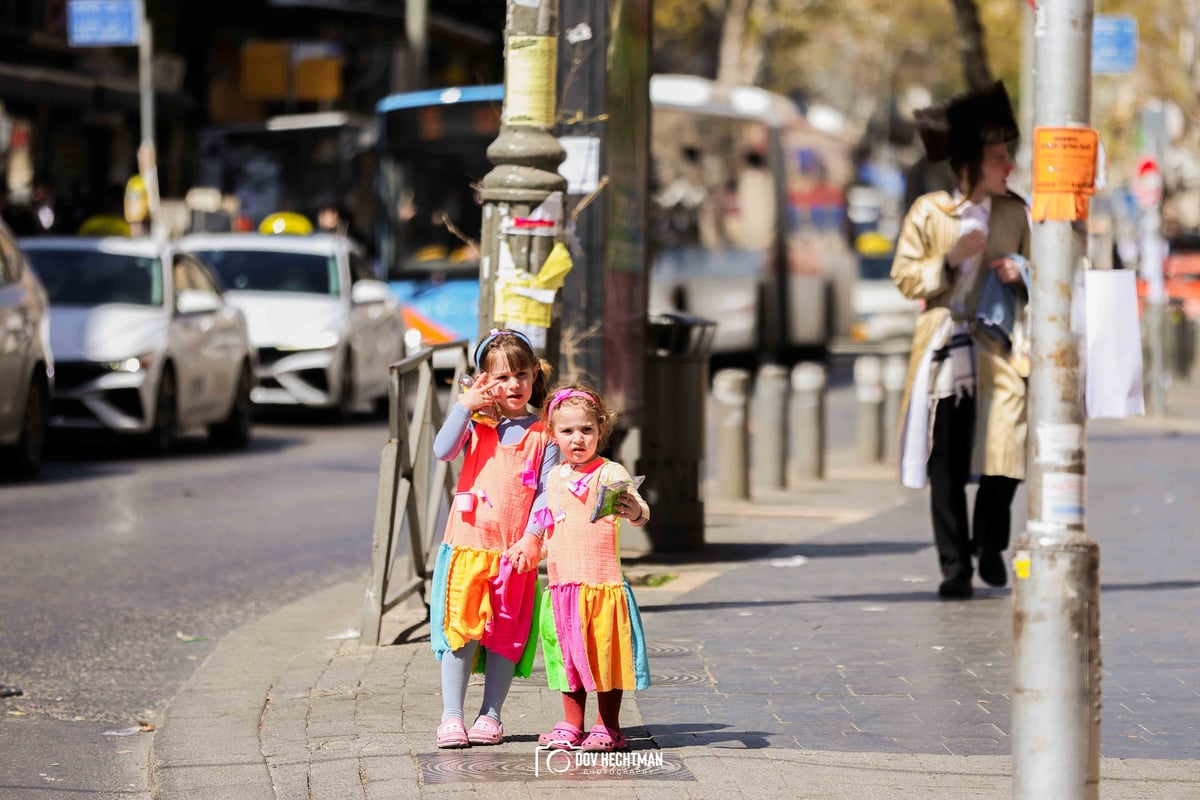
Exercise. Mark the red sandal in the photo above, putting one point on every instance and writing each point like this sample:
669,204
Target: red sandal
603,739
565,736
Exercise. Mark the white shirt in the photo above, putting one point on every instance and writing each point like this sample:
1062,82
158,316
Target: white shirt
972,217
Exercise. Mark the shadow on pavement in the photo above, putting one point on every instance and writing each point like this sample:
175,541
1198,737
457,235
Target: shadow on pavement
1153,586
410,634
705,735
719,604
719,552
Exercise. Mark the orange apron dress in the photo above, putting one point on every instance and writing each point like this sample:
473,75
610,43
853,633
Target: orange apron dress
477,594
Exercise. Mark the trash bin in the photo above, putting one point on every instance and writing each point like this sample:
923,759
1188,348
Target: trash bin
672,437
1179,341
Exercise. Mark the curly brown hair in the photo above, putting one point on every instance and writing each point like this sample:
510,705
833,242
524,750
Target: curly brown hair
580,395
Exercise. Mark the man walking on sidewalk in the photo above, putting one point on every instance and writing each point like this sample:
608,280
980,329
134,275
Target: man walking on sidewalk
963,413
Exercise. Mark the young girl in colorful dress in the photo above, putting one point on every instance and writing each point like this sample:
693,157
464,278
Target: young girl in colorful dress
590,627
485,580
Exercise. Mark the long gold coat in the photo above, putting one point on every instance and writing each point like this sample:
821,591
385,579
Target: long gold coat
929,232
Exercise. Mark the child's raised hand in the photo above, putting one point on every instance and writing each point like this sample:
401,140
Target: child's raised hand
479,394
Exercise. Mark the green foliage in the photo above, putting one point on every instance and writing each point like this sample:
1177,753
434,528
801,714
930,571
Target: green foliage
860,56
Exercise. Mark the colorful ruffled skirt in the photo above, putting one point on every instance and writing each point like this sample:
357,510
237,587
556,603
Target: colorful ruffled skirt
477,595
592,638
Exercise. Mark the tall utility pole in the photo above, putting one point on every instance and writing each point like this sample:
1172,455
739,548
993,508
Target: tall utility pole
519,226
1056,616
147,155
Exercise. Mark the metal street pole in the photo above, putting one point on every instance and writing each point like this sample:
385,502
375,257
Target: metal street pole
147,156
416,32
519,226
1056,647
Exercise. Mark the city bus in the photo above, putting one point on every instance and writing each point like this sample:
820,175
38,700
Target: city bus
747,218
432,153
746,213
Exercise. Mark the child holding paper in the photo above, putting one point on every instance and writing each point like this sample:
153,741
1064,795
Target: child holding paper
590,628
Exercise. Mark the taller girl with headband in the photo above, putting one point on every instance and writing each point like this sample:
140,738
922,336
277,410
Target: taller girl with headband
591,630
485,580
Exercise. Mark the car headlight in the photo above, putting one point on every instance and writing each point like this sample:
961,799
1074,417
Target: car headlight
860,330
322,341
131,364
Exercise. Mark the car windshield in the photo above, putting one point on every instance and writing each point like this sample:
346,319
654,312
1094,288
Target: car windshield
92,278
271,271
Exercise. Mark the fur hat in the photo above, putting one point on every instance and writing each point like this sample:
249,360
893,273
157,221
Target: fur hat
960,130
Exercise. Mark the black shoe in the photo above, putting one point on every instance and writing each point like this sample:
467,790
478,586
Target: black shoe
991,568
957,587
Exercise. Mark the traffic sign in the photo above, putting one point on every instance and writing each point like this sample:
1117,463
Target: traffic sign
1147,184
1114,44
104,23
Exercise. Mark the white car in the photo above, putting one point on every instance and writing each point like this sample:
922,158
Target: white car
26,364
883,319
325,329
145,341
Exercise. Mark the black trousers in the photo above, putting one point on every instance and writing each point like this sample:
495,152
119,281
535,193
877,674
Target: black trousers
949,471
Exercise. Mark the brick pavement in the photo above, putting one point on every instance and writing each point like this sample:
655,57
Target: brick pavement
802,654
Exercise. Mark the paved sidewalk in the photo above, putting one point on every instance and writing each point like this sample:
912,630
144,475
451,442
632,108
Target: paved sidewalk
802,654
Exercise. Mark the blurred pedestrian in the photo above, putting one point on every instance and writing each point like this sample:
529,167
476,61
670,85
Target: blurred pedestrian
332,218
591,629
484,593
963,413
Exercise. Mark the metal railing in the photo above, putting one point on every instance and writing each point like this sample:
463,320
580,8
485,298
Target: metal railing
413,484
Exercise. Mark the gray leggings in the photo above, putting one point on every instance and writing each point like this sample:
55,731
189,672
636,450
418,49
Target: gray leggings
456,671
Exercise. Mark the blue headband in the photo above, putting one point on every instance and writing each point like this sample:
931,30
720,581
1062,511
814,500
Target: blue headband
491,337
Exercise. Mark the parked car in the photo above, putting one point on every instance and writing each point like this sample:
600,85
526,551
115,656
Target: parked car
26,364
883,320
326,330
147,343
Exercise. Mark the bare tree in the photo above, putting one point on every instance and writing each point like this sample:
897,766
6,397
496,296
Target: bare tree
971,50
733,35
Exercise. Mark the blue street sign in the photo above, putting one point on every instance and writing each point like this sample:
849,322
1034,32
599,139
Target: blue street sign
104,23
1114,44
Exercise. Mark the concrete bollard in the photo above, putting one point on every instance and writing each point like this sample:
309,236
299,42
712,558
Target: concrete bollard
895,372
731,405
807,422
868,388
770,428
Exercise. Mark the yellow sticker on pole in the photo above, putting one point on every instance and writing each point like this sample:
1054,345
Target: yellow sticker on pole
529,75
1064,172
519,301
554,270
1021,565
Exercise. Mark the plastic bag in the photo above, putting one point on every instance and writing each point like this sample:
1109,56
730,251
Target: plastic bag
610,494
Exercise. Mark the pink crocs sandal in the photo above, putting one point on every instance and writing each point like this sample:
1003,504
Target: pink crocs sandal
565,736
451,734
602,739
485,731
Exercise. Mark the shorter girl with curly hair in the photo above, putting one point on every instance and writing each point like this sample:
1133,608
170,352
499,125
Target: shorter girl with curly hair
591,629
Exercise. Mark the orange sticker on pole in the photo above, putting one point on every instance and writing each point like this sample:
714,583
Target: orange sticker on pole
1064,172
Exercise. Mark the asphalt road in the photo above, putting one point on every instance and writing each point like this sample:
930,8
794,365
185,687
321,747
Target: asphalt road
119,572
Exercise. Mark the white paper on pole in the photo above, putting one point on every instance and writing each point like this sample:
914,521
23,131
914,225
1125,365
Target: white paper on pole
582,165
1114,345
